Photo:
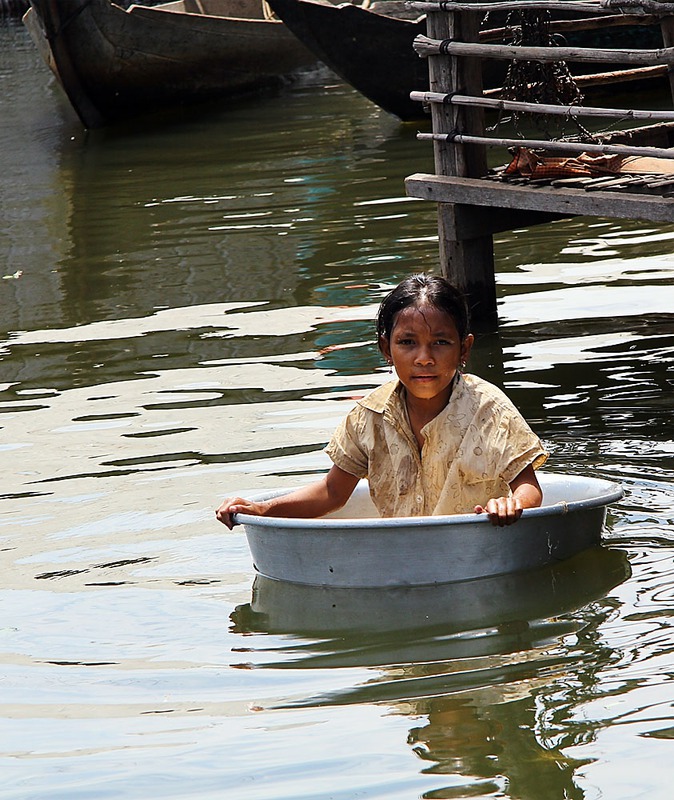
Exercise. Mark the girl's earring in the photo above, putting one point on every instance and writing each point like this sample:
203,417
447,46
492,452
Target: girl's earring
390,367
463,366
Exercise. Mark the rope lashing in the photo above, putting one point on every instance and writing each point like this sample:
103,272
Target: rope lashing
449,97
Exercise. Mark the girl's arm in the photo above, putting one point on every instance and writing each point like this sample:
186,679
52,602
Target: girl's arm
315,500
526,493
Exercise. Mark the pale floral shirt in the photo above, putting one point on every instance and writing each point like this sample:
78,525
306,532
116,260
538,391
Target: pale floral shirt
472,450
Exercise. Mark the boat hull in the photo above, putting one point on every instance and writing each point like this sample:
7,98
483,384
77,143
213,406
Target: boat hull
115,63
358,549
372,48
371,51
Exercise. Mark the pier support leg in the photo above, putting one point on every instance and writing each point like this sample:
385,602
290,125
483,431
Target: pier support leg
468,263
466,254
667,28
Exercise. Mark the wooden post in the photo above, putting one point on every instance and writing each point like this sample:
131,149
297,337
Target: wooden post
667,28
468,262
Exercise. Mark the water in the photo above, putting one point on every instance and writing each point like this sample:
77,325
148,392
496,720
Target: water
186,312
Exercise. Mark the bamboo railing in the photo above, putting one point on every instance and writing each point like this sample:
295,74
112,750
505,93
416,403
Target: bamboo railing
470,210
654,7
425,46
645,63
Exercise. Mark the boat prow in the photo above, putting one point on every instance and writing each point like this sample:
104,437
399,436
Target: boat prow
369,47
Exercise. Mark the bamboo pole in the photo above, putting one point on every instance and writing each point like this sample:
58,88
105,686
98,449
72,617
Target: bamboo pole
576,6
621,76
575,25
605,78
424,46
558,146
540,108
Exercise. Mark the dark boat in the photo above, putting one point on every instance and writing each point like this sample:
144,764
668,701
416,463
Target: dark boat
371,48
115,63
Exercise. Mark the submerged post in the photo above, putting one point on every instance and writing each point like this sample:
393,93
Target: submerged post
466,259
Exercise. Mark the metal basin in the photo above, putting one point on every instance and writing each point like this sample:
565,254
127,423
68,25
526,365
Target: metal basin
356,548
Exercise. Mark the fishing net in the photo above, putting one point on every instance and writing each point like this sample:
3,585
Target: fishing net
537,82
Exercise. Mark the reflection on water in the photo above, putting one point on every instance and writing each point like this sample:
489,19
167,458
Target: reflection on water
281,607
187,311
475,660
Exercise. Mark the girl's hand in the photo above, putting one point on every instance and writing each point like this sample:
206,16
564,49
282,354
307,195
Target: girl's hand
501,510
314,500
526,493
237,505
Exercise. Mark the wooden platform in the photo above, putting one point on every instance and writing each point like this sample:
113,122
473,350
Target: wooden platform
557,200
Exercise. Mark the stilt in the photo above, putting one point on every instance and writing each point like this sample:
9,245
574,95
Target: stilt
466,260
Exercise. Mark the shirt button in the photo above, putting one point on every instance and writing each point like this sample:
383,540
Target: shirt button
419,499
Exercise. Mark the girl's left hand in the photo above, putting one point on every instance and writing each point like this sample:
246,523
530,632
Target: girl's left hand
501,510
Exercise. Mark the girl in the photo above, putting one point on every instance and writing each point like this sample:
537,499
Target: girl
434,441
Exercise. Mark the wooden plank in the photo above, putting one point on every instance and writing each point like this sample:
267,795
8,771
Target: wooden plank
616,182
570,202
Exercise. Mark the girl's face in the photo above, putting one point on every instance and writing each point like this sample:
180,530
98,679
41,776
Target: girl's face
426,351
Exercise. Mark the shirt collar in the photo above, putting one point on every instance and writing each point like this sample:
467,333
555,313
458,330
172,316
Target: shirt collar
390,395
383,397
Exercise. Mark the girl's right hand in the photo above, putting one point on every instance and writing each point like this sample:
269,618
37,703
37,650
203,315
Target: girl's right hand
236,505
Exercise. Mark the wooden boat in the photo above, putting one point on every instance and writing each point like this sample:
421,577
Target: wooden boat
370,47
115,63
356,548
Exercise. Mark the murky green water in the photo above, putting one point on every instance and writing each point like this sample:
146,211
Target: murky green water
186,311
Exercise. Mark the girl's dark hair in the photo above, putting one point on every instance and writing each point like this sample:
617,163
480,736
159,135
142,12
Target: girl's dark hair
420,290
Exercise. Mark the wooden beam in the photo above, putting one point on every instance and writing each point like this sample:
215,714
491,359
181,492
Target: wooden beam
569,202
